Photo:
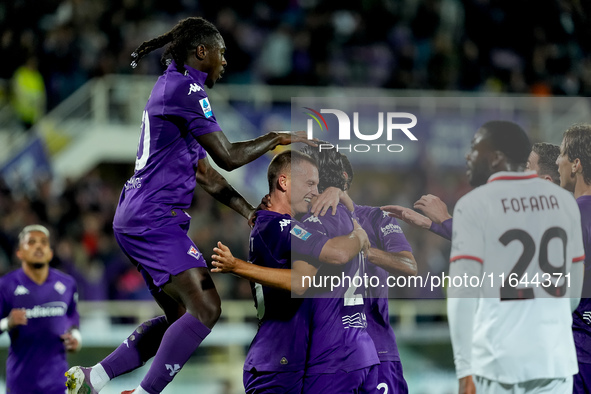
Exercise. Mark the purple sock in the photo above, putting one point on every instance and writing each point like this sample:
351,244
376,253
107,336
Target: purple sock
138,348
179,342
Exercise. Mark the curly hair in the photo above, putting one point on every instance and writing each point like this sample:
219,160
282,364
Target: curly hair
547,153
331,168
577,145
185,36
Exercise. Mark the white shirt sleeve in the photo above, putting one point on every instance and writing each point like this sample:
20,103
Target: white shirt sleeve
461,309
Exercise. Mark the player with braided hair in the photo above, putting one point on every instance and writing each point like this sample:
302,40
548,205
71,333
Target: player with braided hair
179,130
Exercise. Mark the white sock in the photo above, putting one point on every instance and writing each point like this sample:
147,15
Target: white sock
98,377
140,390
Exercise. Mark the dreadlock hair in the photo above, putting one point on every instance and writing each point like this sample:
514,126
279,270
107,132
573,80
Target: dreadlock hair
186,35
331,165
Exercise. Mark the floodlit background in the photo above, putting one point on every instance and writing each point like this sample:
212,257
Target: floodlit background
70,112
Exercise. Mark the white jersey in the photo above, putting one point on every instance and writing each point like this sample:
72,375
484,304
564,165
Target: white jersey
521,229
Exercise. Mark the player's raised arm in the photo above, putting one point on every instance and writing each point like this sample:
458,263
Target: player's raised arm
231,155
218,187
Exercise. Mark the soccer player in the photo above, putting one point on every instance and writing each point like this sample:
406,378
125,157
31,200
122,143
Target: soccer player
512,334
278,245
436,218
179,130
574,166
390,253
38,310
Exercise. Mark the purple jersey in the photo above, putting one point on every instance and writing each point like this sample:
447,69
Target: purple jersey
282,339
385,234
582,315
37,358
339,340
177,112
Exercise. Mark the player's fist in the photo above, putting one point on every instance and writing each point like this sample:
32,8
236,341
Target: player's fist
433,208
17,317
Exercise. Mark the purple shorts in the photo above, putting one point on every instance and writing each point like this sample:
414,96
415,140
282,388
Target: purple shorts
161,252
273,382
582,380
390,379
362,381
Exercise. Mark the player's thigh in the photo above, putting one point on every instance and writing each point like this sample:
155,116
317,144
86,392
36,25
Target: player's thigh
391,379
273,382
162,253
582,380
537,386
363,380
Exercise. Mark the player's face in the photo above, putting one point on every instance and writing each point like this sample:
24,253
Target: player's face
304,186
215,62
478,160
533,162
35,249
567,178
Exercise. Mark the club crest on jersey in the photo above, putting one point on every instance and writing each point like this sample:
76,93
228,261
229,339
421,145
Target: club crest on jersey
59,287
194,252
313,219
194,88
300,233
206,107
284,222
21,290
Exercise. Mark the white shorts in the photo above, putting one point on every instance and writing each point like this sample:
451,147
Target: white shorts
550,386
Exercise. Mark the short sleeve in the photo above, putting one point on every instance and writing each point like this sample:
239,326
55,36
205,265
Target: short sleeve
190,103
390,233
73,315
467,236
306,241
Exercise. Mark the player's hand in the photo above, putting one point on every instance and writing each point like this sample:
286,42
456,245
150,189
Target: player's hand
287,137
433,208
17,317
407,215
362,235
70,343
264,205
223,260
467,385
329,198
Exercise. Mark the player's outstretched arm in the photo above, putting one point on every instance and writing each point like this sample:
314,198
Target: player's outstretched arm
408,216
215,184
285,279
396,263
433,208
231,155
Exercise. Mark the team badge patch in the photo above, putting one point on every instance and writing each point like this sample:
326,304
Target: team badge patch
206,107
194,252
300,233
59,287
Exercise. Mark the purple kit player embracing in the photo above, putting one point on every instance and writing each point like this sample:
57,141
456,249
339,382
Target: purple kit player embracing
38,309
179,129
574,166
390,252
277,357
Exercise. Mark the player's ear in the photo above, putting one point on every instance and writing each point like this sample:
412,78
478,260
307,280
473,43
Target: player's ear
282,182
200,52
498,159
577,167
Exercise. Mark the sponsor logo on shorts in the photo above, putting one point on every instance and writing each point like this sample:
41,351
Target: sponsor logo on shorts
300,233
194,252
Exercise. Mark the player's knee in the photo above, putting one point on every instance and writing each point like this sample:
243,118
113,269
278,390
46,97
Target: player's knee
208,313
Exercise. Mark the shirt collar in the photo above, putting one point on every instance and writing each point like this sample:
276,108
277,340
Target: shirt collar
512,176
197,75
